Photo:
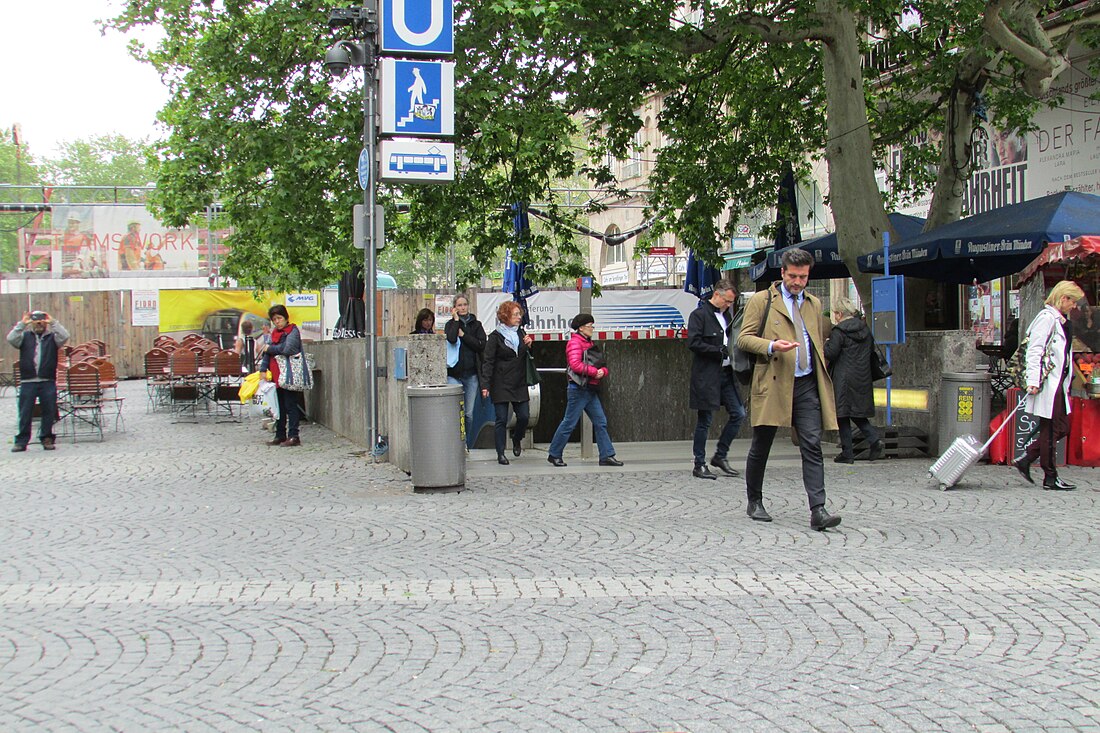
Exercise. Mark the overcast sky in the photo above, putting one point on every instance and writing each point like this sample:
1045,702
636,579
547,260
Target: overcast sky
60,79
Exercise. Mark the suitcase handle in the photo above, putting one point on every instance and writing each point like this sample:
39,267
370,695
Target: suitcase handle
1002,426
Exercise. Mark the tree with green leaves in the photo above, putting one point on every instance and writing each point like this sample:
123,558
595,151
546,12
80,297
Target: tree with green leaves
17,167
103,160
746,87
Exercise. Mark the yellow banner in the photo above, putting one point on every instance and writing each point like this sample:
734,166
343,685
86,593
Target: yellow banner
221,310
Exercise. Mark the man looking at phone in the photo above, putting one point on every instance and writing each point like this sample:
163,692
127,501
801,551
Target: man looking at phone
39,338
790,386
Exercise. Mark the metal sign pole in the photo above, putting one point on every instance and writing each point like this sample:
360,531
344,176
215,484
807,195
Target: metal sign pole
886,271
370,251
586,422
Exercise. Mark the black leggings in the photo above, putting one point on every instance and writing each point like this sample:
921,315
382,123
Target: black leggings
523,414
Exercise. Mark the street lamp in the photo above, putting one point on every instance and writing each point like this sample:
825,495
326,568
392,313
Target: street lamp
338,59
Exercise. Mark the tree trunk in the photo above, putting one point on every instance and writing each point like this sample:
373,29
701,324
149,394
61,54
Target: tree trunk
956,159
854,195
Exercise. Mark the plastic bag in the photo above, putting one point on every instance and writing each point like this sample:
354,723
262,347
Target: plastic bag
269,399
249,385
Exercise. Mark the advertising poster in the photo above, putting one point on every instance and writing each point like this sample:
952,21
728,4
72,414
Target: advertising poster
444,305
984,311
1062,153
999,176
145,307
96,241
217,314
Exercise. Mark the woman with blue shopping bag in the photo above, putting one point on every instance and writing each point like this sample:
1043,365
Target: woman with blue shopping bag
465,343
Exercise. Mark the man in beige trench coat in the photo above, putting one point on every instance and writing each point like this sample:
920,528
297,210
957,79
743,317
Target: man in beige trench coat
790,387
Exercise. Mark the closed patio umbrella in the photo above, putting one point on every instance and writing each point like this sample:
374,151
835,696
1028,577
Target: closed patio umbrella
516,281
700,277
353,321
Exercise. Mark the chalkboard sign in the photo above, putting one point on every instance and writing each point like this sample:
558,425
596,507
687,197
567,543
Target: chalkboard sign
1025,429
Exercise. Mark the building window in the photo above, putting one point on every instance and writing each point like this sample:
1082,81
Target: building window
613,254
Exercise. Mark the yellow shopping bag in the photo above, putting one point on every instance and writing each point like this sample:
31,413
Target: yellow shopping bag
249,385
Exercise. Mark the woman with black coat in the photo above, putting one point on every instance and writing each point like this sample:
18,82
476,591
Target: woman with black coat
464,330
504,376
848,352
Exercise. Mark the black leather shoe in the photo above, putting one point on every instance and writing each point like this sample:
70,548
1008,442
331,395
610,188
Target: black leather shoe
1025,469
556,461
18,448
878,450
844,459
610,461
822,520
1058,485
517,448
701,471
724,466
502,460
757,512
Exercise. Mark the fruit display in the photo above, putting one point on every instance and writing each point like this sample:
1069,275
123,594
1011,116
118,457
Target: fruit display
1086,363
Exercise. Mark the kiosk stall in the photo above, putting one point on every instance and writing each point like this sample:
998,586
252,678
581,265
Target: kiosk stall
1079,260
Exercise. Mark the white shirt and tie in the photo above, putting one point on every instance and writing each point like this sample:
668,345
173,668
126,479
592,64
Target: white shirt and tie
803,364
724,324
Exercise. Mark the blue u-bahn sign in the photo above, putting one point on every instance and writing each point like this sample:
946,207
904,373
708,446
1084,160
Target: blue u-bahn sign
418,27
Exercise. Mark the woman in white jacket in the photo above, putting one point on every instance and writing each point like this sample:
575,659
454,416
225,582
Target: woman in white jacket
1048,363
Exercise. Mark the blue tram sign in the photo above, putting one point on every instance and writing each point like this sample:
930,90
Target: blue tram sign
417,161
418,27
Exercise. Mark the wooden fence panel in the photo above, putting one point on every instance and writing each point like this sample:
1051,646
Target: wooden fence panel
399,309
103,315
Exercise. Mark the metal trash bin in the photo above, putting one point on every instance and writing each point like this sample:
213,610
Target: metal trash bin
438,456
964,407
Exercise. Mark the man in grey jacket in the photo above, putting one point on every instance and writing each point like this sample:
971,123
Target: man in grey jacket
39,338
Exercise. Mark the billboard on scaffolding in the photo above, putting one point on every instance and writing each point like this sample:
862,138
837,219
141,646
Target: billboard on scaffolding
110,240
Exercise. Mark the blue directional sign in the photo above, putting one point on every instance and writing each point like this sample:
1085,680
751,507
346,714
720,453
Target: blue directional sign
418,27
364,169
417,97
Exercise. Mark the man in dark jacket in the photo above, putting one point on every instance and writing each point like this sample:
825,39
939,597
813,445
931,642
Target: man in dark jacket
710,330
38,352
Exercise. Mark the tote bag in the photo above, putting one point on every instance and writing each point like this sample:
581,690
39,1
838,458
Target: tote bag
295,373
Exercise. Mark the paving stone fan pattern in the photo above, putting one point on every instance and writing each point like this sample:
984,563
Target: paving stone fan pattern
187,577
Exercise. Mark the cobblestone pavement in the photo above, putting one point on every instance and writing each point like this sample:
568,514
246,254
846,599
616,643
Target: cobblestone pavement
186,577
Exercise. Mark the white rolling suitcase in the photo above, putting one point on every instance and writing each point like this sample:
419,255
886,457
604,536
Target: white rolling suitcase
963,453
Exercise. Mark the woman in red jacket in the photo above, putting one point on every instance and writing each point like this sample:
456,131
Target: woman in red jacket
585,372
285,340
